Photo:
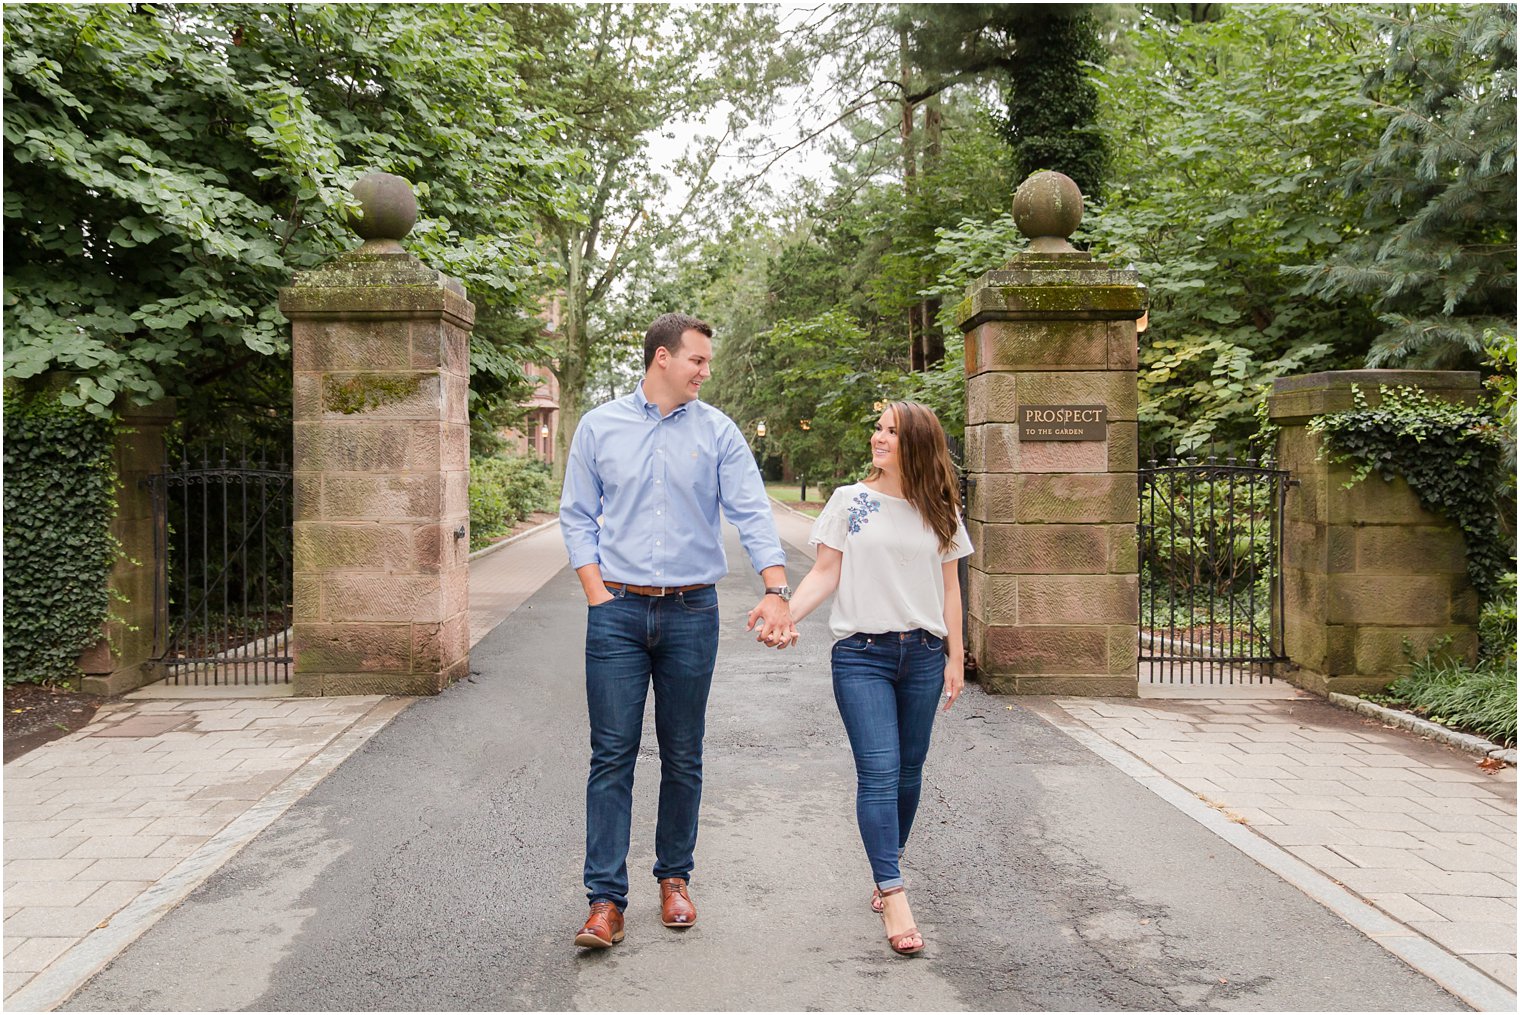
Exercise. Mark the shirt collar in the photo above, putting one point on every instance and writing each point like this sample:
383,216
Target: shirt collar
645,407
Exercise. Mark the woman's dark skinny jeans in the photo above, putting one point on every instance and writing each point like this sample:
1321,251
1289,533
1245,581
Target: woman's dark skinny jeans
887,687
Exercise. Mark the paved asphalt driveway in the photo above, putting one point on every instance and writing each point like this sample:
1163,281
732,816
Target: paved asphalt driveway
439,868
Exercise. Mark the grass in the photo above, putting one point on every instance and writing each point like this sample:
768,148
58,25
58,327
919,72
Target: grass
1473,699
791,494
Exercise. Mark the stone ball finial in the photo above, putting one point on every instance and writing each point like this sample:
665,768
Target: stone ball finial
387,210
1047,208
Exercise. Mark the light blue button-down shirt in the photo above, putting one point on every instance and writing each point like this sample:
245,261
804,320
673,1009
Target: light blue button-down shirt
657,484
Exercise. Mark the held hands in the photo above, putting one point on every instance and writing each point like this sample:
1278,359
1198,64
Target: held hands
771,620
787,638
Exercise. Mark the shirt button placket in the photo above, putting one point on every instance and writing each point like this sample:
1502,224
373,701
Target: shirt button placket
659,511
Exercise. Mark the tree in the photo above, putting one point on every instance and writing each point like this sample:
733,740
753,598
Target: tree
811,310
618,75
1435,247
1040,55
823,370
168,167
1227,137
907,67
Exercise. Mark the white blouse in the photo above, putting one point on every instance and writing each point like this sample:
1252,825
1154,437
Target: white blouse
891,578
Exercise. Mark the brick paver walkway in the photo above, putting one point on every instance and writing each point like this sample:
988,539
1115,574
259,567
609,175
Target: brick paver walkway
502,580
1417,829
96,819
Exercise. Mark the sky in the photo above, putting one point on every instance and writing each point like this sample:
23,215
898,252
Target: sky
808,162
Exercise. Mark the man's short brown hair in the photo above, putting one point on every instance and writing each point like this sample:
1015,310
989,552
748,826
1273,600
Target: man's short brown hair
667,330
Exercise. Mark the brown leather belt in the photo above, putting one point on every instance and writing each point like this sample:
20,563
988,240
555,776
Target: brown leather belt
654,590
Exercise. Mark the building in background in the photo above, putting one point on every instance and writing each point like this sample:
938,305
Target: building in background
542,423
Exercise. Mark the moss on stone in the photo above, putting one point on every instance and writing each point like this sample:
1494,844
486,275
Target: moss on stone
1065,300
367,391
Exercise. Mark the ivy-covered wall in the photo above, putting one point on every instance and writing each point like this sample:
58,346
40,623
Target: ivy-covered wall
1449,454
1389,538
59,502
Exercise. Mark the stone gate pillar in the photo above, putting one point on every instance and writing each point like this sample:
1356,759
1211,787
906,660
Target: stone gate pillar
123,658
1051,452
1365,567
380,344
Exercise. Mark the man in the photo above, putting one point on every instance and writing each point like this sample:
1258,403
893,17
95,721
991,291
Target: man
656,466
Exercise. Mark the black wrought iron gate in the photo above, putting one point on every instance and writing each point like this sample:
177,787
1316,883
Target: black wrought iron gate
223,525
1211,585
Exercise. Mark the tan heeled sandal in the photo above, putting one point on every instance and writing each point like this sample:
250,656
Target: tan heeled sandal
895,940
876,904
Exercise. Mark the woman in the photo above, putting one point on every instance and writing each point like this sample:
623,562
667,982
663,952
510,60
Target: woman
889,546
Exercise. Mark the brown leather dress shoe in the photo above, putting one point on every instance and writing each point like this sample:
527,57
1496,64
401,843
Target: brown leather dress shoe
604,927
676,909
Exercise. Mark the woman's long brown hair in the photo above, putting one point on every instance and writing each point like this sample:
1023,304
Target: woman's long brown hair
928,476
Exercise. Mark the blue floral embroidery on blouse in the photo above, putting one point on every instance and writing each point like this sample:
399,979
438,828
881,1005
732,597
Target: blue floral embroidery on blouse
861,511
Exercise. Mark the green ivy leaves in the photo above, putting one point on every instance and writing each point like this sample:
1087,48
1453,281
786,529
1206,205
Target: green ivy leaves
59,501
1448,453
168,169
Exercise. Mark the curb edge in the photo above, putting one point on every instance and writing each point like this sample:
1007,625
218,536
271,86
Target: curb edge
485,551
1462,741
1446,969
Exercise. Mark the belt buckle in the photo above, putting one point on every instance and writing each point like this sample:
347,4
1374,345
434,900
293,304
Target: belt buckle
664,591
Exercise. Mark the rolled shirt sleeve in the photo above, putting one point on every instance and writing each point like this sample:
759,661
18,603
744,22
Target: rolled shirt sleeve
741,492
580,502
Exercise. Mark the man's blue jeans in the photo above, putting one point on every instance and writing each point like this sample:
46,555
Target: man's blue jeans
887,687
631,642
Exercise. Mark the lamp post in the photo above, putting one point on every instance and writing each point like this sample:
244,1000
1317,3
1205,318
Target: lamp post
806,425
760,448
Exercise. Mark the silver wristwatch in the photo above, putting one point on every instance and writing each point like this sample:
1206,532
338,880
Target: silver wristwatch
784,591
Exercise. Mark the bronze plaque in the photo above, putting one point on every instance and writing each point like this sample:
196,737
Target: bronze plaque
1063,422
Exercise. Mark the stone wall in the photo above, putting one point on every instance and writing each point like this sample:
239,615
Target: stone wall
1365,567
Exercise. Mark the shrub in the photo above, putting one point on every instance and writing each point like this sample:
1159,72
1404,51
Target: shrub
504,490
59,500
1476,699
1496,624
